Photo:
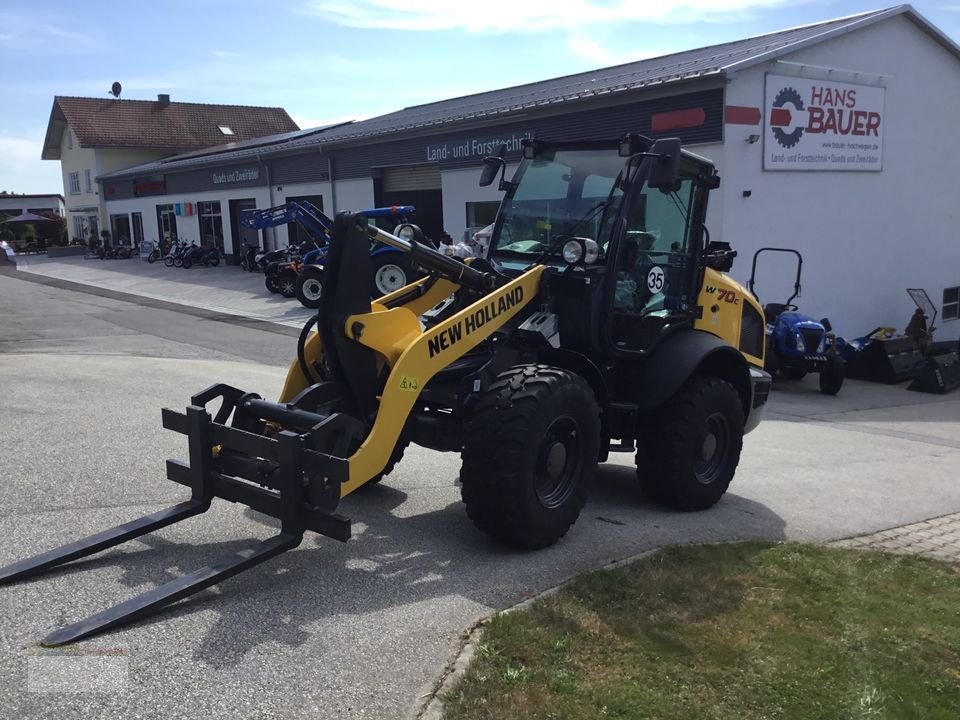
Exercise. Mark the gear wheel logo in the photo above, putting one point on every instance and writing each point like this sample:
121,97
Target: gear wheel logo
784,123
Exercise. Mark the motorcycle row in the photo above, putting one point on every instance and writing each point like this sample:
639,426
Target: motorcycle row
185,254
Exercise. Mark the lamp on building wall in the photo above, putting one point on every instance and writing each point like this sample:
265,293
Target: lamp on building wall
753,139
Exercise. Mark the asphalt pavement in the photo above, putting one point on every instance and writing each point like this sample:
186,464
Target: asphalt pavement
365,628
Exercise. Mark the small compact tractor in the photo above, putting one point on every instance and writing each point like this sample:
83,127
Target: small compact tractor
599,322
796,343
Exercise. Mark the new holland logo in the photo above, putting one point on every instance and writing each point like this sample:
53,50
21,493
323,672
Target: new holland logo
788,119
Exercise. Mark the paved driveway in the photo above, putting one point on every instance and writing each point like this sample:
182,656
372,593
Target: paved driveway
361,629
223,289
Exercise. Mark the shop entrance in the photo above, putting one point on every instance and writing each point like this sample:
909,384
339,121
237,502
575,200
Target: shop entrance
417,185
239,235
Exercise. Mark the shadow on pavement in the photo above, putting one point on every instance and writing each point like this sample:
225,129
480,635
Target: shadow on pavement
399,561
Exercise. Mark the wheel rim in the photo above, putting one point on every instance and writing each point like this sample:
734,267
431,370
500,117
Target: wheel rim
558,462
389,278
287,287
312,289
714,448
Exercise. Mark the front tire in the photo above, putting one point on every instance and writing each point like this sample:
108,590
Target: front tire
794,373
310,287
270,282
689,452
186,263
530,455
831,377
391,271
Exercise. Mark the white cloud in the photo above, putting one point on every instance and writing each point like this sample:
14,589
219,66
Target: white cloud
600,55
24,32
23,171
510,16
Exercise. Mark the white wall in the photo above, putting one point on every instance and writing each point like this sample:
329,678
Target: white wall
78,160
352,195
111,159
865,236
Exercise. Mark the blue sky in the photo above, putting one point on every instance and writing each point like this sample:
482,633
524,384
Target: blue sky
328,61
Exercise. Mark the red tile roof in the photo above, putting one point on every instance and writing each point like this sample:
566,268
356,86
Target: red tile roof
151,124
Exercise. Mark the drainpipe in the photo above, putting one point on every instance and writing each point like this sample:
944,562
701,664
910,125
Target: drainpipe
272,232
333,186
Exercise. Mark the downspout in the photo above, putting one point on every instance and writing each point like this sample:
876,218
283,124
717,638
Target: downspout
333,186
266,171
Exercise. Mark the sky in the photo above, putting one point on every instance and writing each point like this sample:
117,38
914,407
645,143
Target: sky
327,61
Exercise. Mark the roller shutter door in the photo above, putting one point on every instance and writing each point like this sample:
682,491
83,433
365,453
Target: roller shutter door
417,177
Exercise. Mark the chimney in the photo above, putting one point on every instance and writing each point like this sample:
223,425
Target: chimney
163,100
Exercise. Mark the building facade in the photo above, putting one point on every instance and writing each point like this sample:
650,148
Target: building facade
92,137
12,204
827,141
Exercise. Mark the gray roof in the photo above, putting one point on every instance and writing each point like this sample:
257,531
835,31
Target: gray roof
707,62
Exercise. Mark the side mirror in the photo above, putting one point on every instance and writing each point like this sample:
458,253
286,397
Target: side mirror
826,324
493,164
665,170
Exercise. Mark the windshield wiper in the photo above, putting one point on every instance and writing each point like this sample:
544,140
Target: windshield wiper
589,214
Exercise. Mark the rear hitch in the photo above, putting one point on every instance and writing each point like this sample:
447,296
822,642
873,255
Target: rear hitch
280,473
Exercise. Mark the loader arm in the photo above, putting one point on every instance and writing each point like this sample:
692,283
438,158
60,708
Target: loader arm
415,356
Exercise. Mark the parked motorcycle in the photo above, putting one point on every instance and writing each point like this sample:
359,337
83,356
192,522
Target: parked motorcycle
207,255
174,256
249,257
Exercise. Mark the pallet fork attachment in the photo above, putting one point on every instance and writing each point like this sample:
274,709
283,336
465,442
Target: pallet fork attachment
282,476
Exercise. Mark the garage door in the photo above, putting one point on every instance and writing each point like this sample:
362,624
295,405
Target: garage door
417,177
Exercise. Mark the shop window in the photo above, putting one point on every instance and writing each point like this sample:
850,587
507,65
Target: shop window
137,227
481,214
951,303
74,183
79,227
167,222
211,224
120,227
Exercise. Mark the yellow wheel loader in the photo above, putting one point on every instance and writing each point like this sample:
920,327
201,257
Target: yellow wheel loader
599,321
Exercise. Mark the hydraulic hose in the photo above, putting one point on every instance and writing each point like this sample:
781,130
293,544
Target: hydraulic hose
301,350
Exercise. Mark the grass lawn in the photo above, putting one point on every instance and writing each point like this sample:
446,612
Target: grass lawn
746,630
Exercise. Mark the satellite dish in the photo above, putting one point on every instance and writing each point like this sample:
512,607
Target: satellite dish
115,89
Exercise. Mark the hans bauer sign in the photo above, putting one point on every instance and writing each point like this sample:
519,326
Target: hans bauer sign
821,125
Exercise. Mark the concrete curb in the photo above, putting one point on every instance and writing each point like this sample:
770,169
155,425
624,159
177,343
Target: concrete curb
432,707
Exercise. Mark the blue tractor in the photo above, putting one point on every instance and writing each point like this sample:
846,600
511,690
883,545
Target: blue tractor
798,344
392,269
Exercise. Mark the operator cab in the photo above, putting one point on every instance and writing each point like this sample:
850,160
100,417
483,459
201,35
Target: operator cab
621,223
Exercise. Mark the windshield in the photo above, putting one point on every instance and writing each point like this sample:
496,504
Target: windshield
563,193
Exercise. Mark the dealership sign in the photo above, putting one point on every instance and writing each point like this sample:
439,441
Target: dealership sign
821,125
477,147
240,175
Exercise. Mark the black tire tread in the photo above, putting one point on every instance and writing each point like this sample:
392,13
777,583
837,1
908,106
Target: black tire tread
664,449
499,440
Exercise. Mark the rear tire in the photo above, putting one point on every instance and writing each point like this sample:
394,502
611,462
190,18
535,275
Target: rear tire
270,282
690,451
310,287
831,377
287,284
530,455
